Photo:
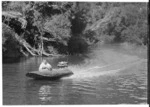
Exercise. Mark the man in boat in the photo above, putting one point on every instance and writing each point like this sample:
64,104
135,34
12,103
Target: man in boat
45,66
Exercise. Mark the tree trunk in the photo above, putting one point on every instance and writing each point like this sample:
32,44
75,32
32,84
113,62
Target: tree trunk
41,43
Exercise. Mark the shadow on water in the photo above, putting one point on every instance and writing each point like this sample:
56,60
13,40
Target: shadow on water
7,60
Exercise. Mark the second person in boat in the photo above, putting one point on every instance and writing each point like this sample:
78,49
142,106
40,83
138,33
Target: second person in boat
45,66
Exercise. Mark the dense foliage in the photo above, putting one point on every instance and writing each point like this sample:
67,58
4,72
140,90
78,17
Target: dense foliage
52,28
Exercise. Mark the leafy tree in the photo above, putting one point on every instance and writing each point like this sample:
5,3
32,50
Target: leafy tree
48,28
39,23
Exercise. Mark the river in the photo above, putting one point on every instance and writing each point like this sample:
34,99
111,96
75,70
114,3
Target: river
108,75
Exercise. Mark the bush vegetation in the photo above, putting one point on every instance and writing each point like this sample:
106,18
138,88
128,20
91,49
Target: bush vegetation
52,28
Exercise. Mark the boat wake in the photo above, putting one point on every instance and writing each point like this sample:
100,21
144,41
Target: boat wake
95,71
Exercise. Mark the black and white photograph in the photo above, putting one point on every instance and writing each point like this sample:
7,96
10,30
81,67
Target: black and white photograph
74,53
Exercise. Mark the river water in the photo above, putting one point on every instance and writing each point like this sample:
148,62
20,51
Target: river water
109,75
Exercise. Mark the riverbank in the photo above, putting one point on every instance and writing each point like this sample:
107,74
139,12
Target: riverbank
124,48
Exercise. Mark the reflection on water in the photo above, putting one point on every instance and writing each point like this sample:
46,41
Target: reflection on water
45,93
110,78
48,93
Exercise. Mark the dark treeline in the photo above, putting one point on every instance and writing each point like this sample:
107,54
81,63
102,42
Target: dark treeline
52,28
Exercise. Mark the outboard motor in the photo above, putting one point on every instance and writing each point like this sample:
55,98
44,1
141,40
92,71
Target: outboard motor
62,64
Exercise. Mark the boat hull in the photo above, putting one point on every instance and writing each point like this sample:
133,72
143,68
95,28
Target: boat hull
50,75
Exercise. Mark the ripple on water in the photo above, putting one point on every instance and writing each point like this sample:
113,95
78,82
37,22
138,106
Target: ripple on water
112,78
